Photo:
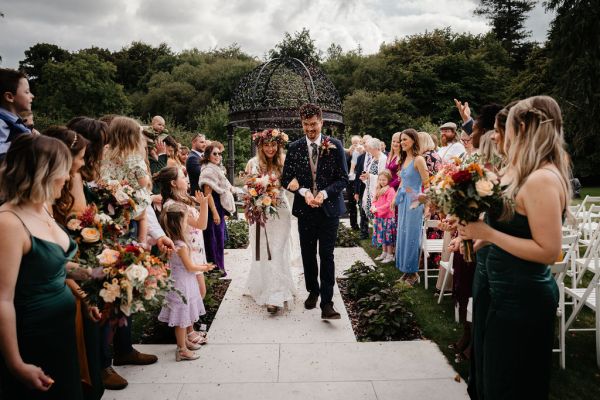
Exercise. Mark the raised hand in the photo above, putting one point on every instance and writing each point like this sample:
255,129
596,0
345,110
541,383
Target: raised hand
463,109
200,198
161,147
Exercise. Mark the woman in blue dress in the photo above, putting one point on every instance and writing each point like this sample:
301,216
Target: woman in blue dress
413,174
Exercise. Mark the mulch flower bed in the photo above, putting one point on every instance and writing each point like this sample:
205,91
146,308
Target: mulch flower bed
410,330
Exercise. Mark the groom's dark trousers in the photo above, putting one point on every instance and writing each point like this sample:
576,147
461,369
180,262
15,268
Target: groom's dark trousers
312,228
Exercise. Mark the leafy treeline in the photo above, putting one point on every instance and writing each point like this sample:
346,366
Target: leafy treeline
409,82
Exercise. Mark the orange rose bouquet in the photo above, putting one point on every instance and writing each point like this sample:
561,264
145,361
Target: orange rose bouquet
262,196
465,190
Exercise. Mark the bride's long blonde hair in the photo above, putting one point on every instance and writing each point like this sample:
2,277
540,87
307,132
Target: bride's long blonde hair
534,136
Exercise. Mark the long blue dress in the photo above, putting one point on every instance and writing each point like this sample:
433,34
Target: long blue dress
410,220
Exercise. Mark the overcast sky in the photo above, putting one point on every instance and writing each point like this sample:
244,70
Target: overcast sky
256,25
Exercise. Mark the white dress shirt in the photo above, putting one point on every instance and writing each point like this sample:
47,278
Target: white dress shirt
454,149
155,231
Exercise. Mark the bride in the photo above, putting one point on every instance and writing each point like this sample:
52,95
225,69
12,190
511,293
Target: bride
270,281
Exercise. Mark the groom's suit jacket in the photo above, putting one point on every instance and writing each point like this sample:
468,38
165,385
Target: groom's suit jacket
332,176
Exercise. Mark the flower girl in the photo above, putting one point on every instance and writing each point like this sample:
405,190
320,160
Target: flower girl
177,312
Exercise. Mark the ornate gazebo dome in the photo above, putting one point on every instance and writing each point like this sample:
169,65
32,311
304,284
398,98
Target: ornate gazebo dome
270,95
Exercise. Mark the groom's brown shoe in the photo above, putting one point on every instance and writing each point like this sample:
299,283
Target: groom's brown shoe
311,301
328,312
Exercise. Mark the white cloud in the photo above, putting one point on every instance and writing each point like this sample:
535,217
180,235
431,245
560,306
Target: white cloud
256,25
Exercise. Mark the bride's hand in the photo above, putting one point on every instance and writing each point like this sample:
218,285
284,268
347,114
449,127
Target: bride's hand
293,185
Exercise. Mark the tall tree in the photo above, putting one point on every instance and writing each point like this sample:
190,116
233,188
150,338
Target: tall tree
574,48
507,18
300,46
36,58
137,62
81,85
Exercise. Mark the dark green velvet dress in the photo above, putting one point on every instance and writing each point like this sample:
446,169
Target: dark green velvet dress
518,332
481,305
45,313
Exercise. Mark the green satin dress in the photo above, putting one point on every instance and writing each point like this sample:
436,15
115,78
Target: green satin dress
481,306
518,332
45,313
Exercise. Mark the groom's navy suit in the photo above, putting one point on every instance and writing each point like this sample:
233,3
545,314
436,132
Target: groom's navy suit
318,225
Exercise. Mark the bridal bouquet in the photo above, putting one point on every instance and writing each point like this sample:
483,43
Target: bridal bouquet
125,279
465,190
261,198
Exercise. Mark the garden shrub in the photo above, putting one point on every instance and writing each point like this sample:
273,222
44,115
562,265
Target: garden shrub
237,231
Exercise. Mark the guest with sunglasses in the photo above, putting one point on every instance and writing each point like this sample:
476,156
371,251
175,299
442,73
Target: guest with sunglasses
219,191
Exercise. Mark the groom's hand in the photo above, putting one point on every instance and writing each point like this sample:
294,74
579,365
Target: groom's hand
318,200
309,198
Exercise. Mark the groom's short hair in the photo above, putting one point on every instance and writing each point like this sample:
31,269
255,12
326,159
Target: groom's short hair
310,110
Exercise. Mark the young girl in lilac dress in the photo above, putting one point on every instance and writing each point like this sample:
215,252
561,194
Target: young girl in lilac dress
177,312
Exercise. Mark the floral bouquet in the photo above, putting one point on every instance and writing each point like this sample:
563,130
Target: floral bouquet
90,226
125,279
261,198
120,201
465,190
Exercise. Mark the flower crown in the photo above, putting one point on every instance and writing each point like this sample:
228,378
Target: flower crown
270,135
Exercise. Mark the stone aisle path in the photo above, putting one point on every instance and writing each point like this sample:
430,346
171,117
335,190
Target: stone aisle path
293,355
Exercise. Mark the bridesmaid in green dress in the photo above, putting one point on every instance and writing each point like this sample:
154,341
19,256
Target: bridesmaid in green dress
481,292
519,326
37,309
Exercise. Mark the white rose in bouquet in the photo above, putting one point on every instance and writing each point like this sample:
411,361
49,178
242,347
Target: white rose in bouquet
136,273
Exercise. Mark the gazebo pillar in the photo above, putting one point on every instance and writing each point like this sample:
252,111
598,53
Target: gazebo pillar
230,154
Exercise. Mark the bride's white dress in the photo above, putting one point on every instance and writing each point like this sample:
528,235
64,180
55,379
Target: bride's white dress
270,282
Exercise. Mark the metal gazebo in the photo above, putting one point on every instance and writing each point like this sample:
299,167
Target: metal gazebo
270,95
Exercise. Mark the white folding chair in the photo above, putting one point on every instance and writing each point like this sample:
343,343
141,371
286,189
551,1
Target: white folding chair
447,265
429,247
587,296
591,221
560,269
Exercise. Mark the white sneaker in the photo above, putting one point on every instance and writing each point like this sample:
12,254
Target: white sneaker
388,259
381,256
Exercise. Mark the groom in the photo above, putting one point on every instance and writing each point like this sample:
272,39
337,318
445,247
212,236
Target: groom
315,170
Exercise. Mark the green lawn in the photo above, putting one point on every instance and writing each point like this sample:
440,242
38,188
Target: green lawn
591,191
581,379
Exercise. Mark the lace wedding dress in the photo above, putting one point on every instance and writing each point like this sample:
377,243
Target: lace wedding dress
270,282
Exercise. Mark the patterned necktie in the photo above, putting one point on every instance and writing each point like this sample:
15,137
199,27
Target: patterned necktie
314,154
